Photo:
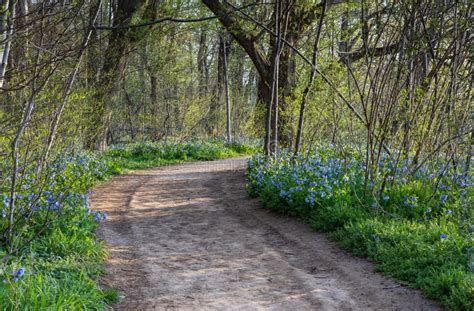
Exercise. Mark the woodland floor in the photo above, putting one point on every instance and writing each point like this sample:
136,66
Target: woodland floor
188,237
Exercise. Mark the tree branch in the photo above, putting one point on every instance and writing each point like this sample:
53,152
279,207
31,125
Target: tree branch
156,21
373,52
247,42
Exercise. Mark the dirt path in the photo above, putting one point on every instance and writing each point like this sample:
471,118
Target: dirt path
188,237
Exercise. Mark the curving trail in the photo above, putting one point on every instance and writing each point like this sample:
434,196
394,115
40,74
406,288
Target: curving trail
188,237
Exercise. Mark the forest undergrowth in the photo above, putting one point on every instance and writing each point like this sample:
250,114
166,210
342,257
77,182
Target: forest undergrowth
56,259
415,223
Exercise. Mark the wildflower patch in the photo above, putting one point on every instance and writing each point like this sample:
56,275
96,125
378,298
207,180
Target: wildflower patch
416,226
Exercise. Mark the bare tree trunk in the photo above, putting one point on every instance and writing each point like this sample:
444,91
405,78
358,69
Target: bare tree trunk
6,31
227,96
271,129
276,74
202,62
314,61
94,59
223,52
25,120
265,98
470,146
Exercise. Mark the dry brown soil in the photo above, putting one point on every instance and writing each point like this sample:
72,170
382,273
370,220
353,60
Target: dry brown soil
188,237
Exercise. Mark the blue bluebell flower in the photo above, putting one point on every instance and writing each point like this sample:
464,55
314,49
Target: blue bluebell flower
19,273
6,200
410,201
443,198
97,217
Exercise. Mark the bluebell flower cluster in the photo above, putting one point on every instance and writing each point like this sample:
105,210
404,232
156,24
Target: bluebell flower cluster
16,275
97,216
327,177
310,180
410,201
4,204
64,191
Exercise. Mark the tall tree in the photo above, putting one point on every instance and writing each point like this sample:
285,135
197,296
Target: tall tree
298,19
120,43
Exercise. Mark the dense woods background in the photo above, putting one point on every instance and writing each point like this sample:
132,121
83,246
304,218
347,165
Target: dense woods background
391,79
392,75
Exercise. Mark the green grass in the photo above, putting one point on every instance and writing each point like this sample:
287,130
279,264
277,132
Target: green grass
63,266
121,158
413,252
61,269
